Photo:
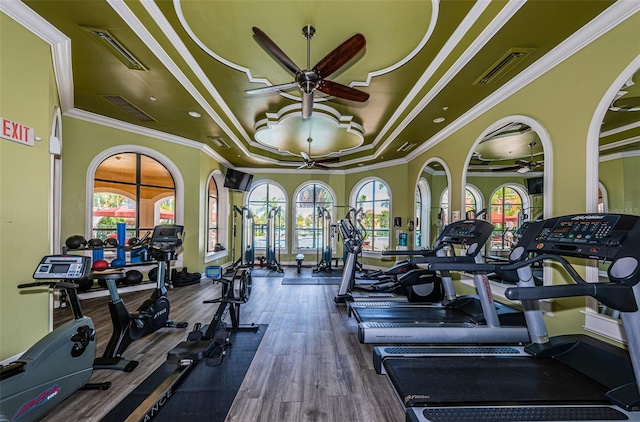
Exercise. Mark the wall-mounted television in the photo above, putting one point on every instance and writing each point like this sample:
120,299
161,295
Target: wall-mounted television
535,185
237,180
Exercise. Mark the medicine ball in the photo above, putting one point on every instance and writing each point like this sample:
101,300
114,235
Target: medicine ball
132,277
111,242
84,284
153,274
118,262
95,243
75,242
100,265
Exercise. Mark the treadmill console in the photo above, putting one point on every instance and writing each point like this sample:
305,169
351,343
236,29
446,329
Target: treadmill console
167,237
597,236
467,232
63,267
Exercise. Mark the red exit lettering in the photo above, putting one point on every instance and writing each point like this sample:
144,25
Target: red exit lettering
16,132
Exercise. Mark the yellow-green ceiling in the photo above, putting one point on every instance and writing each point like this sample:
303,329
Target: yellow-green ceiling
421,62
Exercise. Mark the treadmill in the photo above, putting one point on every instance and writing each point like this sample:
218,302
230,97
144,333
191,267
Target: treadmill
467,319
566,377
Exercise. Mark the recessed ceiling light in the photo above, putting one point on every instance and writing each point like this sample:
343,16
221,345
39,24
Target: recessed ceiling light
438,120
194,114
360,164
152,98
445,108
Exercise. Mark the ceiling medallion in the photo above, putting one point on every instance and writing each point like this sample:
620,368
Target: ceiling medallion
288,132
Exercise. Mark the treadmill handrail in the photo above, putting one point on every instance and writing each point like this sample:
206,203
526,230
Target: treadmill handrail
414,252
616,296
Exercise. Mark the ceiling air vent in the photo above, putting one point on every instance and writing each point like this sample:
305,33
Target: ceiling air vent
407,146
128,107
108,41
218,141
507,62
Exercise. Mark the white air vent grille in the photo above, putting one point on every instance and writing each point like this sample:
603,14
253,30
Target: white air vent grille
407,146
128,107
219,142
113,46
503,65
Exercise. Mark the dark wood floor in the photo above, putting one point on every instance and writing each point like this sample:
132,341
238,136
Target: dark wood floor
309,366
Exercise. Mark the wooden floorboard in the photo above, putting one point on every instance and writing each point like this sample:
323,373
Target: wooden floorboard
309,366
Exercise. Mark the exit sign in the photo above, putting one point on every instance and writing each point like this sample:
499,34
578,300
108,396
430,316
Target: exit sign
16,132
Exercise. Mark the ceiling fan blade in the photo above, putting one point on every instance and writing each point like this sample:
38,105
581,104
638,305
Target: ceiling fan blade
525,169
303,166
320,166
307,104
522,163
328,160
271,88
305,156
342,91
340,56
276,51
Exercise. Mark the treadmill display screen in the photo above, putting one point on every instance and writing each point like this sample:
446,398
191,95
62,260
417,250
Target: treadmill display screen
582,229
462,229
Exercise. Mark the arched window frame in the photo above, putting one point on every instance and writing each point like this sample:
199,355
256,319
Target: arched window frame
249,202
294,222
353,200
122,149
524,198
223,217
470,189
423,225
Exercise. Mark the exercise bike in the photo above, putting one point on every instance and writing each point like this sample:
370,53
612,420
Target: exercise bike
62,361
153,314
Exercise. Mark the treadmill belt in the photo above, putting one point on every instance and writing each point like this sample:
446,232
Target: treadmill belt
490,380
509,414
410,314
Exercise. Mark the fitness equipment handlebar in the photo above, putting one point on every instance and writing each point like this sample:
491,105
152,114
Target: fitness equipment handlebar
611,294
52,285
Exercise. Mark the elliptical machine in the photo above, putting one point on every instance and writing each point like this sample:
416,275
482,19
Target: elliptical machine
153,314
61,362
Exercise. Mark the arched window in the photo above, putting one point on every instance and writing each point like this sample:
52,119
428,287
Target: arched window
374,198
135,189
473,201
310,201
418,238
263,197
507,207
212,216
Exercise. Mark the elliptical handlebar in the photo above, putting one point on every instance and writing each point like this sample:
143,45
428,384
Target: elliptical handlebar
51,284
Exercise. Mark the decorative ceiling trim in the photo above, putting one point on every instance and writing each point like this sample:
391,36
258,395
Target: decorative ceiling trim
505,174
60,46
322,111
140,130
619,155
487,34
614,15
177,43
266,82
139,29
619,144
620,129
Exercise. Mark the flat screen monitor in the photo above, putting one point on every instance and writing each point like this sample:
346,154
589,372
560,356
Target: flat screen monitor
237,180
535,185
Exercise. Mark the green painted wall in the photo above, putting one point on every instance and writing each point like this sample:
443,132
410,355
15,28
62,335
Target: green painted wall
26,82
563,101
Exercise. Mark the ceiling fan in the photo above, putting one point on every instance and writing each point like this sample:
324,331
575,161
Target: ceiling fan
314,78
522,166
309,162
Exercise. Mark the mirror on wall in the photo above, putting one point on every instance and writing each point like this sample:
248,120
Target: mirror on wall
505,181
431,215
619,159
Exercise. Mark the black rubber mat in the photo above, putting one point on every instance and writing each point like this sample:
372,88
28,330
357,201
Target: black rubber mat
485,380
264,272
333,272
311,280
207,393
